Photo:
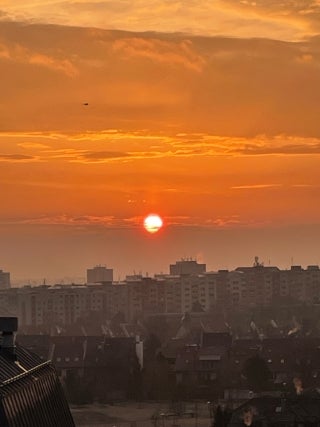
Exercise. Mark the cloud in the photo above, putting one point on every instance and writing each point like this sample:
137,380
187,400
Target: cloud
61,65
171,53
237,18
139,146
113,222
280,145
102,156
213,145
305,58
16,158
282,150
19,53
223,222
69,220
63,154
300,13
169,83
105,221
204,222
32,145
255,186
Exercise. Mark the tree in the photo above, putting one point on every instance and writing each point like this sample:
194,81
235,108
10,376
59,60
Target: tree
151,345
257,373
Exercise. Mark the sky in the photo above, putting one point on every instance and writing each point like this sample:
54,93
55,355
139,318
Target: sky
204,112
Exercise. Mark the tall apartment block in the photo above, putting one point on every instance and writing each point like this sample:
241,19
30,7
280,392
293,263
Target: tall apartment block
4,280
187,266
172,293
99,274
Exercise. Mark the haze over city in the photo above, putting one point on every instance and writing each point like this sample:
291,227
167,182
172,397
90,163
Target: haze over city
205,113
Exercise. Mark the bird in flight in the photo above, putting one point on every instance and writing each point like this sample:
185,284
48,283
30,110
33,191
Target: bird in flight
86,103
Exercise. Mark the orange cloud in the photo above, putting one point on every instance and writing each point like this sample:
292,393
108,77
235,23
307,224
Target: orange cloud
18,53
16,158
172,54
65,66
179,124
157,82
283,20
113,222
255,186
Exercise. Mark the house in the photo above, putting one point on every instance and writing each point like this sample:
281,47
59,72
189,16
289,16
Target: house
199,370
30,392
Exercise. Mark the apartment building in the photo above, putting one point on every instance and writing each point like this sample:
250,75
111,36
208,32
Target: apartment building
99,274
260,284
302,285
137,295
4,280
61,304
187,266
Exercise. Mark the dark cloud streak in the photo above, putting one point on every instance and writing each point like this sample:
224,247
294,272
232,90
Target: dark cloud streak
15,157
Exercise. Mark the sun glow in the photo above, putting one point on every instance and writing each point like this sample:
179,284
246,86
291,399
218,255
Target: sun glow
152,223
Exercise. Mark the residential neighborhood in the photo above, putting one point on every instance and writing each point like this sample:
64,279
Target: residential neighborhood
109,347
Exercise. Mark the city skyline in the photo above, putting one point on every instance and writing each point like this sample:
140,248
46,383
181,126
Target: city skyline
120,274
189,287
203,113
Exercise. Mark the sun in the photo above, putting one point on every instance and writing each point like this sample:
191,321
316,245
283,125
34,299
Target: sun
152,223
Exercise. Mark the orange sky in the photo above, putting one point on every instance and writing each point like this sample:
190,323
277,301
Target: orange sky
204,112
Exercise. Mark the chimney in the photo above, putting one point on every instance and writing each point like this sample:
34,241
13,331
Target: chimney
8,328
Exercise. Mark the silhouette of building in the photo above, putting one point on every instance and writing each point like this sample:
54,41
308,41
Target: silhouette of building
187,266
99,274
30,392
190,288
4,280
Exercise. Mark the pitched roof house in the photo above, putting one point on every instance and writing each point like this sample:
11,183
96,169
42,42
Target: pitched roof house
30,392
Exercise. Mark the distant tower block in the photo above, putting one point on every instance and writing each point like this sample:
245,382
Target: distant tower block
187,266
99,274
4,280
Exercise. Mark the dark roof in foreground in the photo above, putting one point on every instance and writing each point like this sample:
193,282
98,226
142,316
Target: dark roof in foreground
30,392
